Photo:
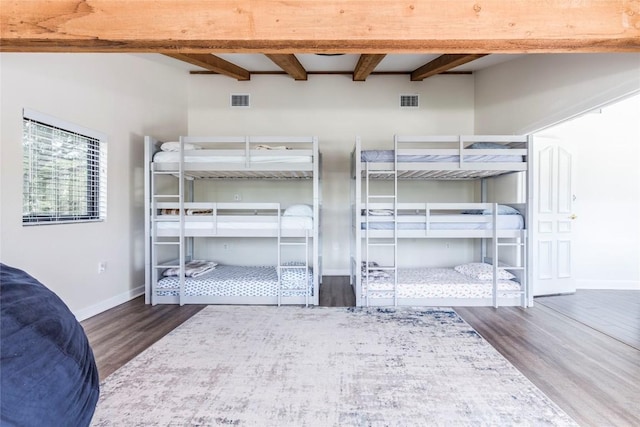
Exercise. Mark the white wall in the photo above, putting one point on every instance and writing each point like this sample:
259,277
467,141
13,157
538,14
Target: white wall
536,91
335,109
122,96
607,229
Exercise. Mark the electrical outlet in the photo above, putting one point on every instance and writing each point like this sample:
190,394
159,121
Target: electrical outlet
102,266
237,197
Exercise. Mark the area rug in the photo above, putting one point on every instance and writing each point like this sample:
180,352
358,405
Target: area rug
294,366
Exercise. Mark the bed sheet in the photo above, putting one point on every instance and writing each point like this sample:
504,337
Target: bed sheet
385,156
233,281
435,283
174,156
287,223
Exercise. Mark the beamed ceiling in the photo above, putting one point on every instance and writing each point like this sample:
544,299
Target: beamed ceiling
299,66
243,38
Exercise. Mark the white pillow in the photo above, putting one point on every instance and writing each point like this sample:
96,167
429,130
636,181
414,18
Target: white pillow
175,146
502,210
482,271
299,210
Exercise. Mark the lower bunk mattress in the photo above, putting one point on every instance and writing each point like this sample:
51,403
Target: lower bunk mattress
436,283
240,281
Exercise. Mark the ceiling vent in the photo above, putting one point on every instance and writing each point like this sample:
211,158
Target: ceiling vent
409,101
240,100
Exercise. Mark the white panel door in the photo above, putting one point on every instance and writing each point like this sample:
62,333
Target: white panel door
553,218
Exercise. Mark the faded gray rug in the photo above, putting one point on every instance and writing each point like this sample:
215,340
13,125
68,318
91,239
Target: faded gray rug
293,366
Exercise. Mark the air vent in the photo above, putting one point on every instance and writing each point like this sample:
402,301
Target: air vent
240,100
409,101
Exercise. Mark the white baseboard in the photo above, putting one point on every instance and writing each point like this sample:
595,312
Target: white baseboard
91,311
608,284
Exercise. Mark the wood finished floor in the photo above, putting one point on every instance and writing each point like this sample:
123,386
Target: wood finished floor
120,334
614,313
594,377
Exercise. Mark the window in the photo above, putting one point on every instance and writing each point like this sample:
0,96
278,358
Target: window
64,172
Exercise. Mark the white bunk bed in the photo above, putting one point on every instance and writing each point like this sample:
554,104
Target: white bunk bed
380,222
174,220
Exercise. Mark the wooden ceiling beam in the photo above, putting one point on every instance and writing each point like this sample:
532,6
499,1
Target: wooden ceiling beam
319,26
441,64
366,64
213,63
290,64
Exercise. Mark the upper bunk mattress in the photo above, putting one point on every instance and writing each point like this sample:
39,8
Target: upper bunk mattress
386,156
209,156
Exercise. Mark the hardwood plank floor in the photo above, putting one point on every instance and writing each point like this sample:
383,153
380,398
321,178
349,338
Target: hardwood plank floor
595,378
612,312
118,335
336,292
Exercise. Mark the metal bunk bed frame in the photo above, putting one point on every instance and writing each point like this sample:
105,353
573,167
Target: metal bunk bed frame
183,241
396,170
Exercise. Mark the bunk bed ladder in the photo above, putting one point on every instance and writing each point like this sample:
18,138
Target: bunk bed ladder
302,242
157,242
389,242
520,244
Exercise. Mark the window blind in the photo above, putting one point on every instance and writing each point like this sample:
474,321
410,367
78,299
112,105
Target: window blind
64,175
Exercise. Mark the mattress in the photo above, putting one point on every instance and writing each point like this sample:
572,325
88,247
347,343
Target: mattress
417,222
234,281
190,157
385,156
435,283
287,223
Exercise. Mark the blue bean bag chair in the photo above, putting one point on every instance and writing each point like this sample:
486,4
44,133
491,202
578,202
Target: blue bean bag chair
48,375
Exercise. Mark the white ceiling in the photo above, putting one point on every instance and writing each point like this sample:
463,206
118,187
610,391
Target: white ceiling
390,63
342,63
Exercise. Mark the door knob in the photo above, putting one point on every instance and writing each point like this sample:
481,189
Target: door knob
573,216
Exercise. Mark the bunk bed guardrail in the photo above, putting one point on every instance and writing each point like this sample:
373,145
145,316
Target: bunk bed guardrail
235,154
